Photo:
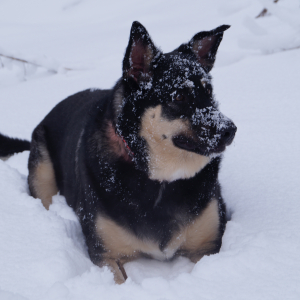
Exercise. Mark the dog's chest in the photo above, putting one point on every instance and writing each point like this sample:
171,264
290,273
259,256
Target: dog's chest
119,242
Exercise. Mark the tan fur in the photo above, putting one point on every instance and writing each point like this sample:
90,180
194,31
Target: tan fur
168,162
119,242
120,245
42,179
200,234
193,240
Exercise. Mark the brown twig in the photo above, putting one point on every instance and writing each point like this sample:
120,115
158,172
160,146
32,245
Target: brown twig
30,62
264,11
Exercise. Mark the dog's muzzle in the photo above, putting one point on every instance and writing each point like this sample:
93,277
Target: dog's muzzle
211,133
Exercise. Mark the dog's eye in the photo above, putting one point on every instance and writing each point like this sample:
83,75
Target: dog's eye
179,97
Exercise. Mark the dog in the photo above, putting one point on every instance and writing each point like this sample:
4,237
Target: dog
139,163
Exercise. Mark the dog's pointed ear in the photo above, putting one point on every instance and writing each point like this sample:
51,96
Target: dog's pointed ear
139,54
205,45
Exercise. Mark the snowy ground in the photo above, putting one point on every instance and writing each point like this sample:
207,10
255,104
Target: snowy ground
42,253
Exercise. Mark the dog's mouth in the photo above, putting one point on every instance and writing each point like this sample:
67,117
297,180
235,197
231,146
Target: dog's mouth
201,148
189,144
185,143
205,146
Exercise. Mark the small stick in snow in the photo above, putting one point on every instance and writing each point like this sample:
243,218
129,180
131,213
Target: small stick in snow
122,270
287,49
264,11
30,62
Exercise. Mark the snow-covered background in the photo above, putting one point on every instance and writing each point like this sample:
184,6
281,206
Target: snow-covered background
256,81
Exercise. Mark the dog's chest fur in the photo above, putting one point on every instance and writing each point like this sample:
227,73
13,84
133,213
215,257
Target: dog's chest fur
167,162
189,237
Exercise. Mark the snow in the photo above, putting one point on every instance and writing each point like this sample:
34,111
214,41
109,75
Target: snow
42,253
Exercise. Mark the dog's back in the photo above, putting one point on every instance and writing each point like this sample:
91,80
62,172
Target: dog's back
56,142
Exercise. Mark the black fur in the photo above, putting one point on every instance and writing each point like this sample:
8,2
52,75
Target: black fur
9,146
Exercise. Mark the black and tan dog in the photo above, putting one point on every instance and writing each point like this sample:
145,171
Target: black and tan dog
139,163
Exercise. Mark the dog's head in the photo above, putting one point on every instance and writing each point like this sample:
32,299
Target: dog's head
167,113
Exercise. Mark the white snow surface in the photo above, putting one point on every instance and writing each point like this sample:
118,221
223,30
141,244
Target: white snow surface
256,80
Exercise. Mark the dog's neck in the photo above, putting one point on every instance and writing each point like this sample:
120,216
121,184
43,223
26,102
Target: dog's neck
118,144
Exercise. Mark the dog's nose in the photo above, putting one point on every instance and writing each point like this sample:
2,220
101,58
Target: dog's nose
228,133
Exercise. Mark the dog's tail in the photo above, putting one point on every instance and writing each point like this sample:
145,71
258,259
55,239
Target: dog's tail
9,146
